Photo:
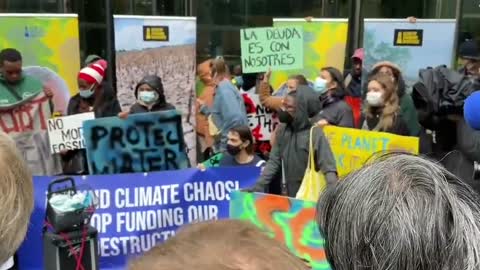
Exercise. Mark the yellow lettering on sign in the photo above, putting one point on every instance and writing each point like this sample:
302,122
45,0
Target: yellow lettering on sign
353,147
408,37
156,33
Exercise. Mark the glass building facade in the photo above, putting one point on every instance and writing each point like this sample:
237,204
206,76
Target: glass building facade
219,21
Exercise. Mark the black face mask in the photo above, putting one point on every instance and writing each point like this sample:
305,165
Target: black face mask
233,150
285,117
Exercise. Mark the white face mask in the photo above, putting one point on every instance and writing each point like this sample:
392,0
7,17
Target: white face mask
320,85
375,99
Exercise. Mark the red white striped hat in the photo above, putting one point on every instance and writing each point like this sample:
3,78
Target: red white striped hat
94,73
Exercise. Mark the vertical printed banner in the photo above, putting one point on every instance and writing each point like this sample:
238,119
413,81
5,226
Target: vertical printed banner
162,46
50,48
411,46
325,41
287,220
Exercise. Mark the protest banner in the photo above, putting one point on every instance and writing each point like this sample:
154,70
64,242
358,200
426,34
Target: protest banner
141,143
276,48
353,147
260,118
325,42
27,125
411,46
138,211
66,133
289,221
162,46
49,44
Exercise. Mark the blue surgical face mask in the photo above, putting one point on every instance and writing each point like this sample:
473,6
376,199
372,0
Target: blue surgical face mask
320,85
148,97
87,93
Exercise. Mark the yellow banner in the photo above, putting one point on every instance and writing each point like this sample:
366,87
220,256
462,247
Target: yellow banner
353,147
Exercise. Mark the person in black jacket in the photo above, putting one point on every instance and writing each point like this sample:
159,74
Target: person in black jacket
96,96
150,96
382,109
335,111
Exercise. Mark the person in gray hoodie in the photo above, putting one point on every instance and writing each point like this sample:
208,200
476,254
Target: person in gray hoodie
228,109
150,96
292,145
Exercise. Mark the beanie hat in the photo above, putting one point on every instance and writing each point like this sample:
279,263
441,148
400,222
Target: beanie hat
94,73
469,50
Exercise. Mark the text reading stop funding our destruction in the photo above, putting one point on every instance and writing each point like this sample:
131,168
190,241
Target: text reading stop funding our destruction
277,51
151,225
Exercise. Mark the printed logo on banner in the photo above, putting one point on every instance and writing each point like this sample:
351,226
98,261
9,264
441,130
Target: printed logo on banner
32,31
408,37
141,143
135,212
66,133
155,33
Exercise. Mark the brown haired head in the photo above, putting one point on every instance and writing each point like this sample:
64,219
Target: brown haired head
245,134
219,245
219,67
16,196
391,101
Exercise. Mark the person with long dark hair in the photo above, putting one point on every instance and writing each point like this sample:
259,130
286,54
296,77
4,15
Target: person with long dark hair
335,111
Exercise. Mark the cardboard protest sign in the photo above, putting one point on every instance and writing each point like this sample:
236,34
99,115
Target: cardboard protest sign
353,147
66,133
278,48
290,221
260,118
140,143
324,44
136,212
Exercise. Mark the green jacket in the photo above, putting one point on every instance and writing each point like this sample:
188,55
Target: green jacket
409,114
14,95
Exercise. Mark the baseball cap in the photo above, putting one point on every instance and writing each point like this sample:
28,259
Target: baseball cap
359,54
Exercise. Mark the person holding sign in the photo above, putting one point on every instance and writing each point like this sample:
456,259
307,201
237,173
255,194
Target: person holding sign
289,156
228,108
94,96
332,92
382,109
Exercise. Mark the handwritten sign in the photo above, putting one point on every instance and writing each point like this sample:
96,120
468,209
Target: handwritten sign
278,48
260,118
141,143
288,220
353,147
26,124
66,133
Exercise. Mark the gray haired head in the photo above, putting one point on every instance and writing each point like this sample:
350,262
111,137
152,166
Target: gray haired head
401,212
